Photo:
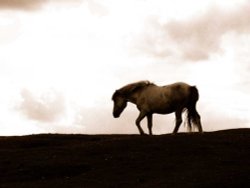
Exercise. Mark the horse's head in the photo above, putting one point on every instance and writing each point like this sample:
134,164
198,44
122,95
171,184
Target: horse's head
120,103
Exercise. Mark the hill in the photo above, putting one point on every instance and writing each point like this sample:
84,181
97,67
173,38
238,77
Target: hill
215,159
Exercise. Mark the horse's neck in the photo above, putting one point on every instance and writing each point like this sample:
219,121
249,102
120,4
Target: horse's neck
133,97
136,93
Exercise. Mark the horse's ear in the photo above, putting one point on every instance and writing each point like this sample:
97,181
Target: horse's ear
117,92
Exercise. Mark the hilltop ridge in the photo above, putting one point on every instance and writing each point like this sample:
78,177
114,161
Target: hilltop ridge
212,159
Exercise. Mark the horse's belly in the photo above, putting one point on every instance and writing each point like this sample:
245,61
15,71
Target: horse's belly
165,106
163,110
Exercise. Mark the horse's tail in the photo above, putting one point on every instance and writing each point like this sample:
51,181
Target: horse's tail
193,116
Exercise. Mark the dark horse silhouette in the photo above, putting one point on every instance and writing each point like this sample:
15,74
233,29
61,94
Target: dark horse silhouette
150,98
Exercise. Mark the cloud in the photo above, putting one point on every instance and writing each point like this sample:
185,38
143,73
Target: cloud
196,38
29,4
21,4
97,8
47,107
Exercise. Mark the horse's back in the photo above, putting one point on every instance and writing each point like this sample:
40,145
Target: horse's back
169,91
177,89
164,99
177,85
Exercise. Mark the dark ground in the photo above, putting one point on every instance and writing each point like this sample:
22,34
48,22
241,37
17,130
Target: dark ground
216,159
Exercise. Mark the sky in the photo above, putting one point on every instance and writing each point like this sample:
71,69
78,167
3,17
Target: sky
61,61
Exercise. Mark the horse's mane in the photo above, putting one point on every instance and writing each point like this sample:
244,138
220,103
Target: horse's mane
130,88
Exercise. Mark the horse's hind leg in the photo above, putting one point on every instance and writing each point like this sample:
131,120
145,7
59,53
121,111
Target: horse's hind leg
198,122
138,121
178,121
150,123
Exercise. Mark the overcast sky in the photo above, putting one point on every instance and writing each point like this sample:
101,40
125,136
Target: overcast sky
61,61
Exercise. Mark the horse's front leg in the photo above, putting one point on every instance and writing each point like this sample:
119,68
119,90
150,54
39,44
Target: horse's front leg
150,123
138,121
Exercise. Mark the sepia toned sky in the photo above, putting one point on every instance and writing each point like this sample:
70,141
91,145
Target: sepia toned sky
61,61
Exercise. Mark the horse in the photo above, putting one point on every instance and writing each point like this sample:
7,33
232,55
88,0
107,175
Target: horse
150,98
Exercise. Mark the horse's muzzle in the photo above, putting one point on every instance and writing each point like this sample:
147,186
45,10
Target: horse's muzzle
116,115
